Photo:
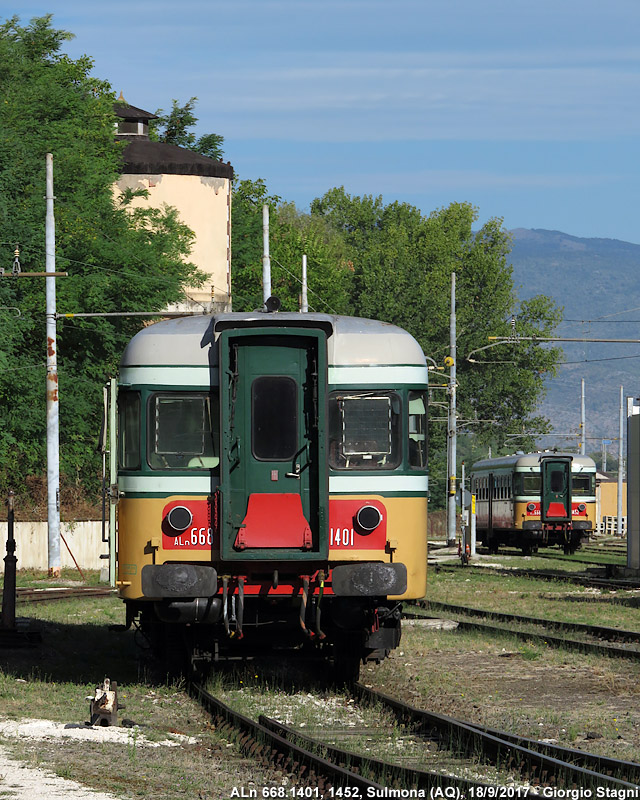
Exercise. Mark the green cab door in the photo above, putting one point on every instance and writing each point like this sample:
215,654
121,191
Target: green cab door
556,488
274,480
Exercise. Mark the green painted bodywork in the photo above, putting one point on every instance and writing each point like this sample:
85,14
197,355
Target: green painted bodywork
246,355
556,487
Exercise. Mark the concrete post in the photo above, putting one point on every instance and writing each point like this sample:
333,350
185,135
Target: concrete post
53,430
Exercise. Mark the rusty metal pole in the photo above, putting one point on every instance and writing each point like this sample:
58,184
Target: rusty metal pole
453,412
53,430
8,621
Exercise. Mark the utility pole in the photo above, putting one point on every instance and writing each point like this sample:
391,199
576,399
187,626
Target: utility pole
620,462
451,361
304,301
53,428
266,259
583,433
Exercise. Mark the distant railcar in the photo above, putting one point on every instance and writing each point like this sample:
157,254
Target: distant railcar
533,499
273,484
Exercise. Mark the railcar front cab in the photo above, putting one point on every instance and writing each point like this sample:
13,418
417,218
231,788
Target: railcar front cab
297,505
560,520
535,499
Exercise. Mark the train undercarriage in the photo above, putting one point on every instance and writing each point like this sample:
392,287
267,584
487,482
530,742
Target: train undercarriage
529,539
190,636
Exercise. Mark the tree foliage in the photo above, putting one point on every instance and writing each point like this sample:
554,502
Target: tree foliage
292,234
173,128
403,262
117,260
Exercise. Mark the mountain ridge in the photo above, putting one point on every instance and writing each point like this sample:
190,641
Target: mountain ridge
595,281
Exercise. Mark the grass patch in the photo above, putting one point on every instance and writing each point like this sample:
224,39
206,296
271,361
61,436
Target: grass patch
38,579
554,600
529,689
52,681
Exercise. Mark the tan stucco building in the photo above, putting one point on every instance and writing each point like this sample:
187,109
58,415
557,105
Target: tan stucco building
197,186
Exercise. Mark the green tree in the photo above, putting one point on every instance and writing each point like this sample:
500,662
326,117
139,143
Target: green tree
173,128
117,260
403,261
292,234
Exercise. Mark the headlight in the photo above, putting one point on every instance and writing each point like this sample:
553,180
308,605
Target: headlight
368,518
179,518
582,507
531,506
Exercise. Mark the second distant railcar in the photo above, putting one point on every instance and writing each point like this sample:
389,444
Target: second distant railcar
533,499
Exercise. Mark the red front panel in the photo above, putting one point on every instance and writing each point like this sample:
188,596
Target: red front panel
343,529
575,511
197,536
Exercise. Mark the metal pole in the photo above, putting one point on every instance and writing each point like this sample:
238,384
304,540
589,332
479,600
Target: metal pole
8,618
266,260
53,429
473,524
583,450
620,463
451,499
465,536
113,479
633,482
304,305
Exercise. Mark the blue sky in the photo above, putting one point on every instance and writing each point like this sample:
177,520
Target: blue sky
527,109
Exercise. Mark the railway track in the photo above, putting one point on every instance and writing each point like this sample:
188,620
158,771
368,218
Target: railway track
543,764
588,562
603,640
325,770
256,740
552,575
30,595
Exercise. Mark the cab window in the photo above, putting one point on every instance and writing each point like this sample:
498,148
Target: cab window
182,431
129,430
530,484
274,418
418,430
364,430
557,481
582,485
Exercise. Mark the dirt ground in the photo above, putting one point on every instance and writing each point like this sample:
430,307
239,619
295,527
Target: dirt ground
591,703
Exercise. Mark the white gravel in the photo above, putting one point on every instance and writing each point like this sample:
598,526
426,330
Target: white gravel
46,729
19,782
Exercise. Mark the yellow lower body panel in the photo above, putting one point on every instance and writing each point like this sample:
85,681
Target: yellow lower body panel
141,541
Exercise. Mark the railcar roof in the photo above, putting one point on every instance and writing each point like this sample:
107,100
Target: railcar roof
185,341
525,460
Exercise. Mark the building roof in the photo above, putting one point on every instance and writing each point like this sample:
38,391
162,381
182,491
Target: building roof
126,111
142,156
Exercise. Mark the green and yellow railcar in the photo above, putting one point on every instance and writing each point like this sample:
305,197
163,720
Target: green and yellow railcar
533,499
272,472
